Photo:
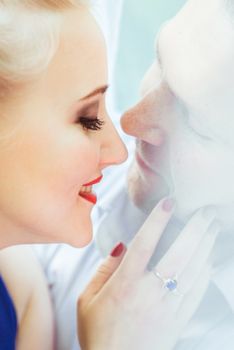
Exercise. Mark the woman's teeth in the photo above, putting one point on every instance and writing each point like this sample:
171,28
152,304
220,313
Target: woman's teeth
86,189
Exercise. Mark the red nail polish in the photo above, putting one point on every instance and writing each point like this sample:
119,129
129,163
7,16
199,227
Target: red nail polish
168,204
118,250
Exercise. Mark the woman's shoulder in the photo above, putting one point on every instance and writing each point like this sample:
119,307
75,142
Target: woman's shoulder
26,285
16,268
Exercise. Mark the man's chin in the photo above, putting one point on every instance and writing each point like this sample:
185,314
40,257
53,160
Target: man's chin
140,200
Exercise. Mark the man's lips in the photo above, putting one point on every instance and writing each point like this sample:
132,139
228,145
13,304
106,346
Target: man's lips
96,181
143,165
154,179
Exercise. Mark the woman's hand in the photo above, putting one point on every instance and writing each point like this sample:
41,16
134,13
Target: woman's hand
128,307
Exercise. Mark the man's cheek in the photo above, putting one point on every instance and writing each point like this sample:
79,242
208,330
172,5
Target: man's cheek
190,173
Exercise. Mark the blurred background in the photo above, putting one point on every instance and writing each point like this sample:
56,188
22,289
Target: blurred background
140,21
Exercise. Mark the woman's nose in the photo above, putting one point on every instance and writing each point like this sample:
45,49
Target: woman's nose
113,150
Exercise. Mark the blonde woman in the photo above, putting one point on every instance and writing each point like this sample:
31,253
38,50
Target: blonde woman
55,139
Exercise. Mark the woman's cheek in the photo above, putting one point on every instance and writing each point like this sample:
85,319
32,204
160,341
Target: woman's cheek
80,163
56,160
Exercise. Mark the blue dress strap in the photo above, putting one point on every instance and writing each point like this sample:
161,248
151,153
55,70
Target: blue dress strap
8,319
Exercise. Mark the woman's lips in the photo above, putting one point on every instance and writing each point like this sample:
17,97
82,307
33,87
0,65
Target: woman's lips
94,181
86,191
90,197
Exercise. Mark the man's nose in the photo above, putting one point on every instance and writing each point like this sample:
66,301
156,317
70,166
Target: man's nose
147,120
113,150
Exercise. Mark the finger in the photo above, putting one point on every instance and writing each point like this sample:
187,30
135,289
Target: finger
104,273
193,298
143,245
181,251
200,259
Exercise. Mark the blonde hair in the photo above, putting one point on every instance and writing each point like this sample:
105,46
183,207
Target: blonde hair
29,37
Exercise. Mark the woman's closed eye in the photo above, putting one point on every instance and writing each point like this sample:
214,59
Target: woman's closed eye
87,117
91,123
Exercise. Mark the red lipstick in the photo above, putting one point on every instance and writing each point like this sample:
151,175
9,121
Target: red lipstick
94,181
91,197
87,193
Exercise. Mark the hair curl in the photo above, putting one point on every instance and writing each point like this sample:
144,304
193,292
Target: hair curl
29,37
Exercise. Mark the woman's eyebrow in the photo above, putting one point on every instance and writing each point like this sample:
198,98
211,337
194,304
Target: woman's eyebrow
99,90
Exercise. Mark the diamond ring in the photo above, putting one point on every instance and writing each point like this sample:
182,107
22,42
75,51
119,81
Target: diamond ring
168,283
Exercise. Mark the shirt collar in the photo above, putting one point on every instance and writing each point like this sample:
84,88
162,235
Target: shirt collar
223,274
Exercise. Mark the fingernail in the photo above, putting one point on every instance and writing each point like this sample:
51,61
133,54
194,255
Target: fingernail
118,250
209,213
168,204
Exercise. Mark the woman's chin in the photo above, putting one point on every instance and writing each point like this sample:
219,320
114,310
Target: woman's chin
76,233
77,229
81,236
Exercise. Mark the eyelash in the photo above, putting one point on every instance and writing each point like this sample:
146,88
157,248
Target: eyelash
90,123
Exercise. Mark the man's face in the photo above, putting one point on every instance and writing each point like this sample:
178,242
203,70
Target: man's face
188,101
